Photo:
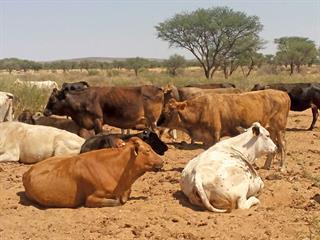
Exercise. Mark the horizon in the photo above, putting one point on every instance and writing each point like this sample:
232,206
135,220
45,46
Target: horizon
64,30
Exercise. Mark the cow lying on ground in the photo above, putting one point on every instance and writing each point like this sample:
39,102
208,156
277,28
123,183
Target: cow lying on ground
29,143
6,109
222,178
302,95
122,107
74,86
212,85
117,140
62,123
208,118
39,84
101,178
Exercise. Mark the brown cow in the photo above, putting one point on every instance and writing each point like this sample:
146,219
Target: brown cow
212,85
209,117
122,107
58,122
184,93
99,178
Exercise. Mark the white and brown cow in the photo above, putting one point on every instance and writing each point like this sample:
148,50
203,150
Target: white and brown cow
222,178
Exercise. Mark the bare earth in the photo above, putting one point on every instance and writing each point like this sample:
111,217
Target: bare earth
158,209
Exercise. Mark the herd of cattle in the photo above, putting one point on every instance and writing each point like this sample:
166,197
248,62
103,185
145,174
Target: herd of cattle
78,163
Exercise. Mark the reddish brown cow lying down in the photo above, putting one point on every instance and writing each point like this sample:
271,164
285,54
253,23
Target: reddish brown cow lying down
101,178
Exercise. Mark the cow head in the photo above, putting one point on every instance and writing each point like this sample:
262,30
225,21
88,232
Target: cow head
154,141
76,86
26,117
170,116
145,158
262,141
56,103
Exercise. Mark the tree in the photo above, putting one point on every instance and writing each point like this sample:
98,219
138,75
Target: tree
136,64
295,52
174,63
209,33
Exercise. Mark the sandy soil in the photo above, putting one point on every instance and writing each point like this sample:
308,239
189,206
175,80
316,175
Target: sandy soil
158,209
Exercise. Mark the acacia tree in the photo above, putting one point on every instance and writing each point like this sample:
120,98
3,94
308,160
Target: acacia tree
136,64
295,51
174,63
209,33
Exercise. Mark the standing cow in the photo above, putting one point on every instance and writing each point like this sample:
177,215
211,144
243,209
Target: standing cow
208,118
302,95
122,107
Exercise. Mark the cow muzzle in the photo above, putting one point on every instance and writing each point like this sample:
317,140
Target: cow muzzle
47,112
157,167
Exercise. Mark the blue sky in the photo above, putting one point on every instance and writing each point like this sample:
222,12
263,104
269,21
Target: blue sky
61,29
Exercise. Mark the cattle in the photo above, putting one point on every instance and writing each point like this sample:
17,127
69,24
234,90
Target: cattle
212,85
53,121
208,118
75,86
184,93
117,140
38,84
101,178
6,108
30,144
122,107
302,95
222,178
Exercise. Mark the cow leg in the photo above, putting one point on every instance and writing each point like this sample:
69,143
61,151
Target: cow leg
244,203
271,156
282,149
315,115
98,125
99,201
10,156
124,198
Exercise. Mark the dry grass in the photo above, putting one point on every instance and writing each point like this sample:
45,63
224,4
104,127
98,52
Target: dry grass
35,99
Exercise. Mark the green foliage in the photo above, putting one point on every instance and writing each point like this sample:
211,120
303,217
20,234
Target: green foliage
136,64
295,52
174,63
214,36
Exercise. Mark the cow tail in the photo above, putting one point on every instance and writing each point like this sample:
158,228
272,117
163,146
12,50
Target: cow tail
203,196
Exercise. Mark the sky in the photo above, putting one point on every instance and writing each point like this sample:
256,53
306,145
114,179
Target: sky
44,30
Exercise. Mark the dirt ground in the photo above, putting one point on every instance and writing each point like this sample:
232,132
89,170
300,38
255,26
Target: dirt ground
157,209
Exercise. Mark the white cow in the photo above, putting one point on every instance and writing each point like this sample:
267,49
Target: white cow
32,143
39,84
222,177
6,112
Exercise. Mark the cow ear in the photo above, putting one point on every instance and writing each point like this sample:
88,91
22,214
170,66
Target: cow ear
181,106
255,130
136,144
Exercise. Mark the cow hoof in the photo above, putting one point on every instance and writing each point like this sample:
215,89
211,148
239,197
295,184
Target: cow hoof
283,170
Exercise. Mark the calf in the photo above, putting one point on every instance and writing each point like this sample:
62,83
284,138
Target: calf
209,117
117,140
302,95
30,143
100,178
222,178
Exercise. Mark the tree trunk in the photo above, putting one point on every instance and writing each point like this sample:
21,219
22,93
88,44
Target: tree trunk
291,68
225,71
136,72
298,68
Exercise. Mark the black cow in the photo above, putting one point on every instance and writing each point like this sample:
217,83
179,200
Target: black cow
302,95
117,140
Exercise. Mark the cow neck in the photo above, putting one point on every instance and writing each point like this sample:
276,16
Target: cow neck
240,145
129,174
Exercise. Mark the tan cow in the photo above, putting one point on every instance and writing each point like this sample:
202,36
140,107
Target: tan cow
6,110
101,178
207,118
